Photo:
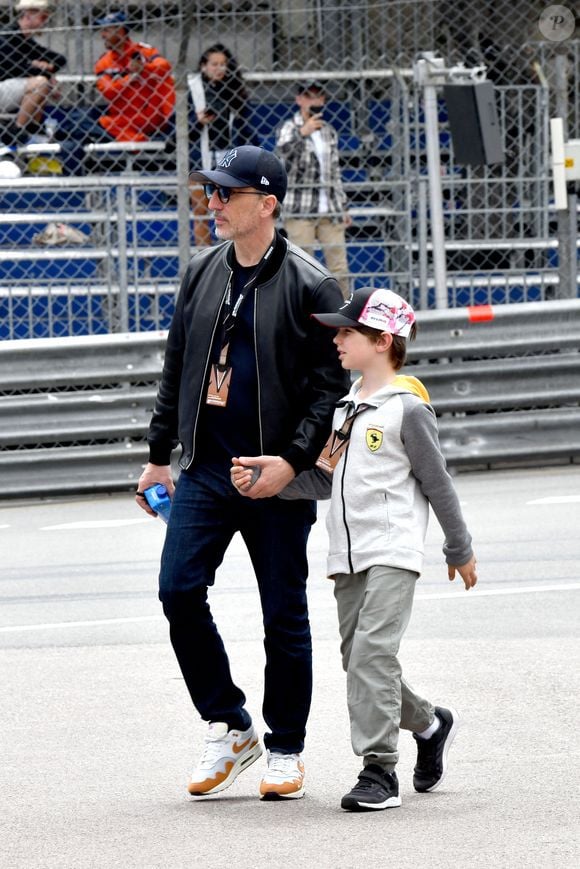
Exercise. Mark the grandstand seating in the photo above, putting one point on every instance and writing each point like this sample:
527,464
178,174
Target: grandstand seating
78,300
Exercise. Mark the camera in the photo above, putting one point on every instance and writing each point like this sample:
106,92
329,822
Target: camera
318,111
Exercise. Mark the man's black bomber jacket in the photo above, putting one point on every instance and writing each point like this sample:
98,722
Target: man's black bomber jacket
299,376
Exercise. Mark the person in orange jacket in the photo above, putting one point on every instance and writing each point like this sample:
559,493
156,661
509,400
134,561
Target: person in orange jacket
135,80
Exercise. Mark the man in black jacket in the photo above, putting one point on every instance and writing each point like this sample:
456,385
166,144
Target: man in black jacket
247,375
26,71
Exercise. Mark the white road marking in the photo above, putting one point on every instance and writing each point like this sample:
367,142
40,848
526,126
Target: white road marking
488,592
557,499
95,622
95,523
4,526
491,592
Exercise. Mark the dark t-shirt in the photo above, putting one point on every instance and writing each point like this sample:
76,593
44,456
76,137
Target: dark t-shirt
18,51
233,430
222,98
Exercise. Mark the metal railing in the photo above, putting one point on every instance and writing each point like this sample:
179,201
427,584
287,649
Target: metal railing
505,382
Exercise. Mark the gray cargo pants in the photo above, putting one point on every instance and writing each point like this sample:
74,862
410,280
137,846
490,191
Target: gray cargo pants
374,608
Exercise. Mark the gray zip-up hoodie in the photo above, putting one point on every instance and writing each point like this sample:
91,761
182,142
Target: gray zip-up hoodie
390,472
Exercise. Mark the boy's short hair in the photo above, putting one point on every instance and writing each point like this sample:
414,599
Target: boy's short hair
398,349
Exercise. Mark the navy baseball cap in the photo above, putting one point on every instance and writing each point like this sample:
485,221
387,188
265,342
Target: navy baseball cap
113,19
248,166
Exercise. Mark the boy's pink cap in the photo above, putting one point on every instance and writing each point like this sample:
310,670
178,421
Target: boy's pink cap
378,309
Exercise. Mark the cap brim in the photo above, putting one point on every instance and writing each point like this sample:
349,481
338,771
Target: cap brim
217,177
335,321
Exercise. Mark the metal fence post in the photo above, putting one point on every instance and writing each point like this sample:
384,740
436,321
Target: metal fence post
566,287
422,242
182,141
426,75
122,323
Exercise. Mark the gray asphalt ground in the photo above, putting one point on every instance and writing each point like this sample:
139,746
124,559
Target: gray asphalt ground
98,736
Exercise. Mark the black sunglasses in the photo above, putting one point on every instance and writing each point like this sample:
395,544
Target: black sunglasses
224,193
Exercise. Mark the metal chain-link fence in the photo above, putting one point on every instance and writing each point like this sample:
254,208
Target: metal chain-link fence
100,101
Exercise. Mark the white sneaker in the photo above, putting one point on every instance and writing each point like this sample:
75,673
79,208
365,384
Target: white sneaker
284,778
226,755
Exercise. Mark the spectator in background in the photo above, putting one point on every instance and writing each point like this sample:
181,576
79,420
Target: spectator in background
26,71
219,100
316,202
136,82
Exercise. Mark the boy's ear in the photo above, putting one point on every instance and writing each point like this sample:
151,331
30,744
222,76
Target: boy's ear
384,342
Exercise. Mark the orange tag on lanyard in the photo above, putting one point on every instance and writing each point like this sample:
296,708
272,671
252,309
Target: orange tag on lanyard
219,385
338,442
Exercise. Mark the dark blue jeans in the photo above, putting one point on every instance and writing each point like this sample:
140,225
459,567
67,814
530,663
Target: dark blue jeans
205,514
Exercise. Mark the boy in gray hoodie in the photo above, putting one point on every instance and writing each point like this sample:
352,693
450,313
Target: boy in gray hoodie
387,468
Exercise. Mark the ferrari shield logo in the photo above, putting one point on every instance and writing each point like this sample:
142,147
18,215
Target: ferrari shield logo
374,438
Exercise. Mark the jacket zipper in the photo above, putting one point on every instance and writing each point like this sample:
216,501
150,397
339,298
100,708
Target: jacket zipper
258,370
201,394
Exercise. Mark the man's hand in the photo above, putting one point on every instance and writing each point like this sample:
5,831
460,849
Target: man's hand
466,571
310,126
205,117
136,64
275,474
151,475
42,65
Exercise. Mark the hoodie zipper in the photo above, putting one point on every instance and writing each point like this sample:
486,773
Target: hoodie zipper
346,528
361,409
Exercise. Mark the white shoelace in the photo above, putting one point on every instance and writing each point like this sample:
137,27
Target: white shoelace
214,749
212,752
282,763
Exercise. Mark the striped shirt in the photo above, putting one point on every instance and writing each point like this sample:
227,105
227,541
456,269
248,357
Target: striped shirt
307,175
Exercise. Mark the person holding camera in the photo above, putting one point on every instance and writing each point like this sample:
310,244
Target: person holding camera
316,202
219,100
136,82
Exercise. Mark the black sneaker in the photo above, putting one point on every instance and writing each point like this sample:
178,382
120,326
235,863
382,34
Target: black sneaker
432,753
375,789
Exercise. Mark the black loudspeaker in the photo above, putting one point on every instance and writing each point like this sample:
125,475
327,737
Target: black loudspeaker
474,123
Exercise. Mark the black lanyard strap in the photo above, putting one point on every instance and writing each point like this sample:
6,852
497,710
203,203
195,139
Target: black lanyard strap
344,432
230,312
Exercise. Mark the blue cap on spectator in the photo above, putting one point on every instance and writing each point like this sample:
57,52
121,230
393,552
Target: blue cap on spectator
113,19
248,166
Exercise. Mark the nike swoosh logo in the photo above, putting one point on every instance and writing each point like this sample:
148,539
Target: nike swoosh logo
237,747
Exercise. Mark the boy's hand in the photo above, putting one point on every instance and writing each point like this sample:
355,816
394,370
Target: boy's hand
466,571
275,474
241,476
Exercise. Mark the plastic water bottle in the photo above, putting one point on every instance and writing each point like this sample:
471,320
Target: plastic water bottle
159,500
50,128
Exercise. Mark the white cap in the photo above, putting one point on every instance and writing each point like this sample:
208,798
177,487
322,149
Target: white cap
8,169
41,5
378,308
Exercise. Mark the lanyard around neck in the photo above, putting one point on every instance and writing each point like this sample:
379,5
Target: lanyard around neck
230,312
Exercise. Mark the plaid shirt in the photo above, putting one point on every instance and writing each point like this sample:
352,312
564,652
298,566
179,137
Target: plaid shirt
305,174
